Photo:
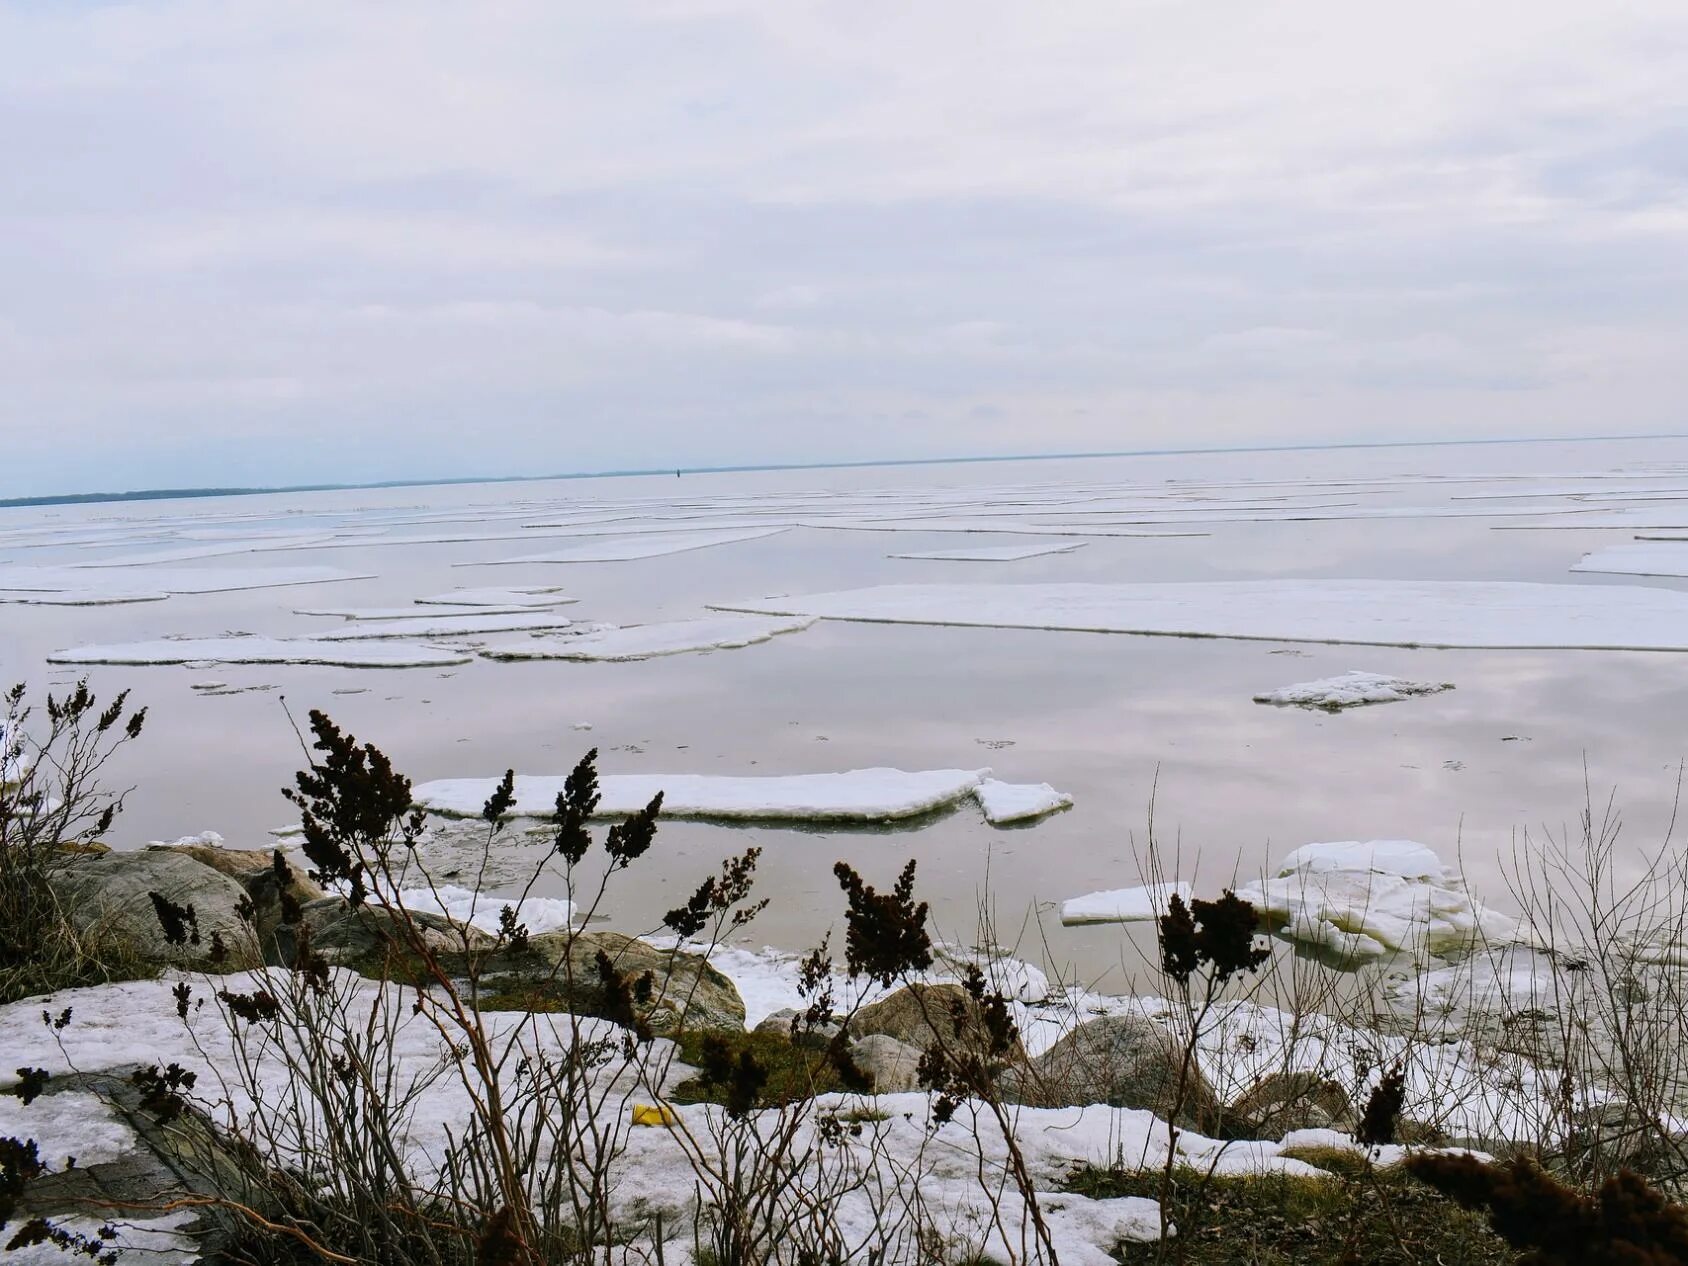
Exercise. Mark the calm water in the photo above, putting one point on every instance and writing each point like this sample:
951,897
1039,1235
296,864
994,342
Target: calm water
1107,718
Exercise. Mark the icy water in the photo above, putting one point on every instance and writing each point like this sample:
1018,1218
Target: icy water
1114,720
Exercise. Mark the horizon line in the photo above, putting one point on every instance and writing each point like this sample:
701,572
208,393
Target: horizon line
190,494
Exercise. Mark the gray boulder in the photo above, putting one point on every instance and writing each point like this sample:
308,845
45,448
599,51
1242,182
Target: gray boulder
110,894
254,869
892,1067
686,993
1281,1102
371,942
922,1016
1122,1061
816,1037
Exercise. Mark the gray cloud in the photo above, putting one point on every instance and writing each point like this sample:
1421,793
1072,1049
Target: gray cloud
315,241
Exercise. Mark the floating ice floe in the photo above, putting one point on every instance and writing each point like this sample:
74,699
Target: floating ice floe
1000,526
482,909
1141,904
412,612
534,596
1491,614
264,650
993,553
170,580
615,551
448,626
1006,802
646,641
1639,558
84,597
1351,690
861,795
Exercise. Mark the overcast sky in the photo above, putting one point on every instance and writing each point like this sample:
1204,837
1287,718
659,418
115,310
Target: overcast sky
278,242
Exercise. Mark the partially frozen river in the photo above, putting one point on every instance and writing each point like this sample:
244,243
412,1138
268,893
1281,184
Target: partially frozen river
1111,719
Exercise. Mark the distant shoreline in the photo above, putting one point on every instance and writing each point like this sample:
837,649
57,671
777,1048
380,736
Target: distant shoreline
188,494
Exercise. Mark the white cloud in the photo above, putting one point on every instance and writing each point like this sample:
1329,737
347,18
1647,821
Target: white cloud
312,240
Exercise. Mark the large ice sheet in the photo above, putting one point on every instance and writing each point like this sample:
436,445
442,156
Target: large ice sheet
646,641
1006,802
863,795
263,650
993,553
1452,613
1639,558
1351,690
427,626
615,551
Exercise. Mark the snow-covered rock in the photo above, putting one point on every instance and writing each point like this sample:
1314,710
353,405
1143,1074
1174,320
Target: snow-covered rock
1351,901
1359,900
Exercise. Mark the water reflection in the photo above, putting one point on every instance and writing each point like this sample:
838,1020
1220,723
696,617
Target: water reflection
1114,720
